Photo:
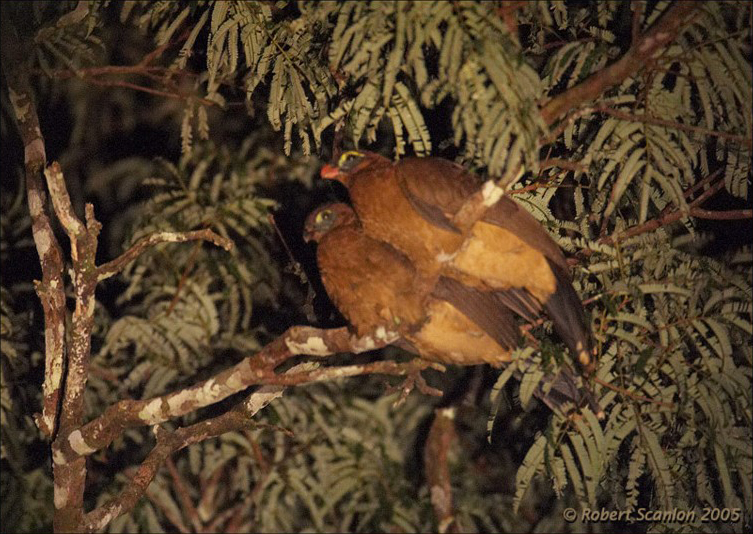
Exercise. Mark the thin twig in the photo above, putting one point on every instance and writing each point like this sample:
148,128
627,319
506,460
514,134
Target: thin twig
721,215
562,164
297,269
747,141
154,54
144,89
631,395
184,495
672,214
184,277
115,266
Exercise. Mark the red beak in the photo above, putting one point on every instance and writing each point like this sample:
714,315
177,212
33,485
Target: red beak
329,172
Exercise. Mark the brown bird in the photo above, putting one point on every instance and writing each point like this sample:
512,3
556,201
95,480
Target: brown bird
411,205
380,292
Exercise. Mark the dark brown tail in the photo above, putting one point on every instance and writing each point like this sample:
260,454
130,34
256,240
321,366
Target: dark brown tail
566,311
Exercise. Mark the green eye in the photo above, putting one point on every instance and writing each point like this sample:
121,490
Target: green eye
350,159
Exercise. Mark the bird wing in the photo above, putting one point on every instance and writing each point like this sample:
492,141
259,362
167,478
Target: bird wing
435,188
484,308
374,285
370,282
438,188
566,310
450,336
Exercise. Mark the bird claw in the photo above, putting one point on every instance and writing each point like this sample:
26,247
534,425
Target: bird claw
412,379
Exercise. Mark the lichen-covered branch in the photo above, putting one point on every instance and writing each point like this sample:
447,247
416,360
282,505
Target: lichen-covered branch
167,444
70,477
83,238
118,264
69,470
254,370
50,289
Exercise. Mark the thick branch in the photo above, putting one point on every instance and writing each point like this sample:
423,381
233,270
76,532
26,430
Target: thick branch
83,239
50,290
61,201
254,370
70,476
171,442
662,33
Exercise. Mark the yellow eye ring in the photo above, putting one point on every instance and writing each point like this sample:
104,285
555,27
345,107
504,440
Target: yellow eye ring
347,155
322,216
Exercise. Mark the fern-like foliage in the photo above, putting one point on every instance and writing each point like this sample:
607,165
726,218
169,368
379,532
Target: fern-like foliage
297,456
189,304
26,486
702,81
675,351
672,326
396,60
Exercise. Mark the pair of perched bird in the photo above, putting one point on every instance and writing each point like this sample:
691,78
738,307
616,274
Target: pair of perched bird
397,264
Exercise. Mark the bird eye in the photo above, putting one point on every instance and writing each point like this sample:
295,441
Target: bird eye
349,160
323,217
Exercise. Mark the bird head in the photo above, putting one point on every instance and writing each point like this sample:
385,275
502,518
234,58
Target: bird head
326,218
351,163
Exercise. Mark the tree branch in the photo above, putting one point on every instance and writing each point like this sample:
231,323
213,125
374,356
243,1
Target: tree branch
51,288
646,119
167,444
69,467
118,264
441,438
672,214
161,75
662,33
74,441
253,370
721,215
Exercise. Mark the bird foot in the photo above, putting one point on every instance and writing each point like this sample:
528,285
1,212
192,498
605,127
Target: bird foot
413,379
